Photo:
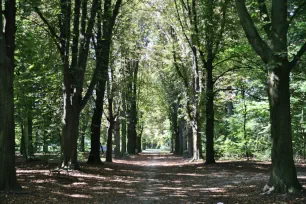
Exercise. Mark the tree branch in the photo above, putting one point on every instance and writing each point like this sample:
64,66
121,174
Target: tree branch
222,29
181,24
177,68
115,12
261,47
52,31
297,57
265,16
227,71
90,89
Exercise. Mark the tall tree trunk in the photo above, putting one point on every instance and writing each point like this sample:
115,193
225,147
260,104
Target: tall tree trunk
109,146
172,131
132,135
244,124
94,155
30,136
21,140
182,136
8,180
111,119
210,154
185,147
283,177
23,149
70,139
195,149
117,137
102,51
190,141
123,125
26,139
175,127
45,143
104,38
199,135
83,133
132,116
139,139
82,145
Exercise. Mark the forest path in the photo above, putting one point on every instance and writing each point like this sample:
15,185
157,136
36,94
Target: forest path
150,177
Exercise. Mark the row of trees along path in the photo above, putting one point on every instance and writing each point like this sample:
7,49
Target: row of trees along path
120,57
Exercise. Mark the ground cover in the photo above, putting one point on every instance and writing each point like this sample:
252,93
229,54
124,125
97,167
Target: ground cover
150,178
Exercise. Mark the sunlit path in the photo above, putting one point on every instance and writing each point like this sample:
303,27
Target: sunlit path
150,177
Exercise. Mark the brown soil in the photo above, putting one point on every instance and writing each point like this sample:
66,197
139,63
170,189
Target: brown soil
150,178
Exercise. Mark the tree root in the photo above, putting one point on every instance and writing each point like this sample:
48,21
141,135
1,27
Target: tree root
192,160
268,190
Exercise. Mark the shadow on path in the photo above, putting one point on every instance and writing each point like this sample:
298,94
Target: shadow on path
151,177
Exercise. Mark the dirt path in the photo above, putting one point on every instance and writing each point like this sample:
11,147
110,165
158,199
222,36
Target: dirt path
150,178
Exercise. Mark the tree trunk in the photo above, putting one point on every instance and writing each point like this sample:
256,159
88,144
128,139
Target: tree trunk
117,138
26,139
185,147
102,62
30,136
199,135
210,154
283,177
172,132
190,141
111,119
175,128
245,113
123,125
182,136
70,137
229,108
21,140
82,145
132,135
94,155
109,146
45,144
8,180
132,116
194,140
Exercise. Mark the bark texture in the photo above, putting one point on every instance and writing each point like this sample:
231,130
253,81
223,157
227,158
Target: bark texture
283,177
8,180
123,125
210,155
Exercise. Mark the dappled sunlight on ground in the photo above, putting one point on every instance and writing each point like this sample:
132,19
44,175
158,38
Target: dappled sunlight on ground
150,178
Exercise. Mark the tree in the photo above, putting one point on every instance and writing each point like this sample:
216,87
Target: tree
105,27
132,67
194,84
74,69
8,180
273,50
